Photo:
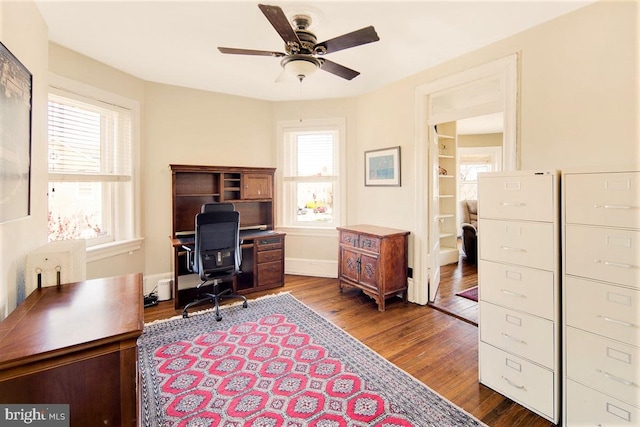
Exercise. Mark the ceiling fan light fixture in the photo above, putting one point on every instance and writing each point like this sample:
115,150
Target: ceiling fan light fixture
300,66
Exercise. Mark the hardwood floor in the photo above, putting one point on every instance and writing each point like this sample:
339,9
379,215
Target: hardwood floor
438,349
455,278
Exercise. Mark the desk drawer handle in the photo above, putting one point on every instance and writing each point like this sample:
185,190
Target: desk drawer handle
619,322
513,204
617,379
512,249
614,207
512,384
519,341
615,264
513,294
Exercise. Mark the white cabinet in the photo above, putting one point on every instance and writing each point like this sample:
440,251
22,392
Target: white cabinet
519,287
601,297
448,192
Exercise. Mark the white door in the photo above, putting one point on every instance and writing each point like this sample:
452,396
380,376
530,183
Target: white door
434,215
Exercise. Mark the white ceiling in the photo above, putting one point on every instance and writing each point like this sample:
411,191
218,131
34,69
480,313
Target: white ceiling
175,42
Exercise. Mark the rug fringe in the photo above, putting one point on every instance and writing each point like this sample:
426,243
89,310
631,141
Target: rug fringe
209,310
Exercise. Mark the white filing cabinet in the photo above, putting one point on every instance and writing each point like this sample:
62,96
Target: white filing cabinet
601,297
519,287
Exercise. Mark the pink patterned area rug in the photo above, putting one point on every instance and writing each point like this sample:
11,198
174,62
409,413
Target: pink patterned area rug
277,363
471,293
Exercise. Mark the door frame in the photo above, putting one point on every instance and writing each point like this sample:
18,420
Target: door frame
506,71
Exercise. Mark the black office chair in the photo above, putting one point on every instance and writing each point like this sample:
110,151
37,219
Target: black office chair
217,207
216,256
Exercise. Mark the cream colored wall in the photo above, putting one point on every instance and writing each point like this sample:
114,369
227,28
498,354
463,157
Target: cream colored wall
480,140
24,33
186,126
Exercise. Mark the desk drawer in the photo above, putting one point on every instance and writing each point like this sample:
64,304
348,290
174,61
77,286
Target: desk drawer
269,273
611,199
524,197
269,243
607,310
519,288
518,379
525,335
523,243
269,256
603,364
606,254
588,407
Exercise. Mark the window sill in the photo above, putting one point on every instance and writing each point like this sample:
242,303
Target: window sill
108,250
309,231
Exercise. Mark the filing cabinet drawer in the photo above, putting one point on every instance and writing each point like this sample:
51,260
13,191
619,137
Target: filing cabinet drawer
588,407
525,197
519,288
269,256
520,333
518,379
610,199
612,368
606,254
524,243
270,272
611,311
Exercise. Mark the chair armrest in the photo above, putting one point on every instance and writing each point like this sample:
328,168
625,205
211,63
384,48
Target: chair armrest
469,227
190,252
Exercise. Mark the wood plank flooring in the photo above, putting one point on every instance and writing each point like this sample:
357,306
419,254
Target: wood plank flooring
438,349
455,278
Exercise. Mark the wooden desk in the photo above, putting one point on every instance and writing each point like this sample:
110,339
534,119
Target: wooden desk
262,265
76,344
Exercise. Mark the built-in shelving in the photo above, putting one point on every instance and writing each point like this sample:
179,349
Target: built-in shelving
448,185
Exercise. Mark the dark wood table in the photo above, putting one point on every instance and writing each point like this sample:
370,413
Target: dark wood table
76,344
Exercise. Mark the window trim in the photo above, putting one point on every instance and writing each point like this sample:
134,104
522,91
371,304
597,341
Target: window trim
133,241
307,125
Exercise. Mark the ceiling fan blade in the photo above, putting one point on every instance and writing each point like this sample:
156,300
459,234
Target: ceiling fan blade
338,70
234,51
355,38
279,21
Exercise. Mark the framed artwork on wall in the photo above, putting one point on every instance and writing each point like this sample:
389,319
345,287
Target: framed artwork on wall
382,167
15,137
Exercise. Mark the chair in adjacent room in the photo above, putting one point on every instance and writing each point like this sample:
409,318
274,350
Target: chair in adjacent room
216,256
469,226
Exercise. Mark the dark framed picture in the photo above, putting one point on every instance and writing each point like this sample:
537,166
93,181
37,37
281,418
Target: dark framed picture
382,167
15,137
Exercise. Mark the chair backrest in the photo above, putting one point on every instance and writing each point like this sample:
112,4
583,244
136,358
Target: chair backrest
217,207
217,244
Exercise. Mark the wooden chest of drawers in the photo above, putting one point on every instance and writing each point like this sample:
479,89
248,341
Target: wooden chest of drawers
375,260
518,274
601,297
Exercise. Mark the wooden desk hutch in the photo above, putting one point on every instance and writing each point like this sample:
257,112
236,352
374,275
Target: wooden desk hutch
250,189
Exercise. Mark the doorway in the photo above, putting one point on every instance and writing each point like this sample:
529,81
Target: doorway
484,90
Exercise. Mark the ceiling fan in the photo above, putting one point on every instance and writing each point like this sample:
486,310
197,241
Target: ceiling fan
304,55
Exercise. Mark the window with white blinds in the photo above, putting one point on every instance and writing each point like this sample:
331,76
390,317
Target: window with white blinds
90,169
311,179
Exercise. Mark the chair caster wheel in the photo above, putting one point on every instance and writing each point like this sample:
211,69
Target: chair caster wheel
244,305
218,318
185,315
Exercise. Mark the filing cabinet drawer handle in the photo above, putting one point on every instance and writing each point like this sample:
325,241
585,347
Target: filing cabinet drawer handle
514,338
512,204
512,249
615,264
619,322
617,379
513,294
614,207
512,384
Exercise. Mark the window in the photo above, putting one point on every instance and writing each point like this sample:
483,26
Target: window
310,166
471,162
90,169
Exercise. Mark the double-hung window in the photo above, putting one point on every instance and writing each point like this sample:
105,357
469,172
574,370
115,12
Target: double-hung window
90,169
471,162
311,173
